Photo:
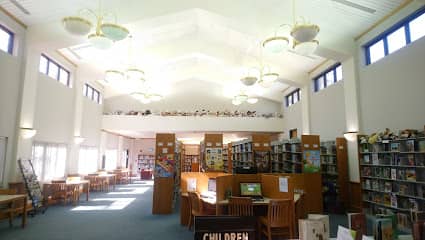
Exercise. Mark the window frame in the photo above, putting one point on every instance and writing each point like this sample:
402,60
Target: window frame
405,22
296,92
60,67
93,90
10,45
316,83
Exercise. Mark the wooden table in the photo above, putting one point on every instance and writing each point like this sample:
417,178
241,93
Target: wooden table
109,176
9,199
80,183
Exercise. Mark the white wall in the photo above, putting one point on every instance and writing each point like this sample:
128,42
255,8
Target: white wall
327,112
194,96
91,122
54,111
10,90
392,90
292,118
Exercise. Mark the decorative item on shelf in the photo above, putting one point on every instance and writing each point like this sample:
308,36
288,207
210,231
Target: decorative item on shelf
27,133
107,30
78,140
350,135
303,36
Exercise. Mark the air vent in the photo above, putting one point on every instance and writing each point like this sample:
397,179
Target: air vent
20,7
356,6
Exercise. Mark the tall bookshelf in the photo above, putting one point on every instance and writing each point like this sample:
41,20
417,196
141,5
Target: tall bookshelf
393,177
212,153
334,169
145,165
190,158
291,156
252,154
227,158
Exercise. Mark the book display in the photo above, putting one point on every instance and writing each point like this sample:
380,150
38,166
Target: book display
252,155
212,153
334,158
392,172
145,165
188,162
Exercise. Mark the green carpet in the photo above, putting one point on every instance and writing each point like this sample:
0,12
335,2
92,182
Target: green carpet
123,214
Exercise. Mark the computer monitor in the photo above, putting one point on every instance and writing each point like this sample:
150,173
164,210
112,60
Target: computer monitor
211,185
251,189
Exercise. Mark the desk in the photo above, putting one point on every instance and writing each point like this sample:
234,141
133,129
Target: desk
108,176
9,199
78,184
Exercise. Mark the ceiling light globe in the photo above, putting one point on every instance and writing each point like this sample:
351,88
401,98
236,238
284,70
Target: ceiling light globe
135,74
306,48
276,44
249,80
77,25
145,100
100,41
252,100
236,102
114,32
113,76
305,32
137,95
270,77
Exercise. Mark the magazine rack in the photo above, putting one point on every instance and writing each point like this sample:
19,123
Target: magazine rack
32,185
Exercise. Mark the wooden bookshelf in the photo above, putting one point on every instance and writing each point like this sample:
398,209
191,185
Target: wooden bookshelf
334,171
212,153
190,158
252,154
392,174
227,158
165,159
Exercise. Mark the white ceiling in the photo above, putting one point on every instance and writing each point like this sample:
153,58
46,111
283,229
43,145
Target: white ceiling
208,40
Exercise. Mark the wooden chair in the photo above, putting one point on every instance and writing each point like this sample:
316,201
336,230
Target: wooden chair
95,183
280,219
195,207
61,192
240,206
7,211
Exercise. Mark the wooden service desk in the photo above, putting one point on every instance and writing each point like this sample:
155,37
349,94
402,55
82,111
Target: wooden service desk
9,199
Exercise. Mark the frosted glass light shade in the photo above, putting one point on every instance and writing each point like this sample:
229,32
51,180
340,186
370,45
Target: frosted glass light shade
114,32
249,80
304,32
100,41
276,44
306,48
113,76
27,133
270,77
77,25
134,73
241,97
265,84
252,100
236,102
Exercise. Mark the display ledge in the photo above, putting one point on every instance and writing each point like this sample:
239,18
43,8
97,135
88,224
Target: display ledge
332,164
396,180
391,152
327,154
388,206
389,165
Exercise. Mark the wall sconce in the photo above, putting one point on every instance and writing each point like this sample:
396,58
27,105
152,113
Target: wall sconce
351,136
27,133
78,139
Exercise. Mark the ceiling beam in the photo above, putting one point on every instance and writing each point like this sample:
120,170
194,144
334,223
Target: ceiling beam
13,17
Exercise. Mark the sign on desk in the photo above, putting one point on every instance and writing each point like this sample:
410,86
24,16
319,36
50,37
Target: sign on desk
225,228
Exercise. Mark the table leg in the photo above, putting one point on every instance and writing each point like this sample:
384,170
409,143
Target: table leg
87,191
24,213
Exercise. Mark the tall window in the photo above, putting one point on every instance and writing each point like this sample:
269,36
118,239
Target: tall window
111,159
91,93
405,32
293,97
329,77
87,161
54,70
6,39
49,160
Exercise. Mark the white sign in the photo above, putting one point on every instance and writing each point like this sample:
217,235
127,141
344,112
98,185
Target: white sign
218,144
160,144
170,144
209,144
345,234
283,184
191,184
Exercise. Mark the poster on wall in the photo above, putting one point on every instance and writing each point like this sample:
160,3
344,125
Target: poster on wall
214,159
164,166
311,161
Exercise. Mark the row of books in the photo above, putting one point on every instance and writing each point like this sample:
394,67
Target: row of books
410,145
391,200
394,174
328,159
394,159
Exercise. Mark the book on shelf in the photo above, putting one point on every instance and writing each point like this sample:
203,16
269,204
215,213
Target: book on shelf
413,204
357,222
395,147
393,173
383,229
411,160
411,174
401,174
345,234
393,200
421,145
375,159
366,159
410,145
367,184
387,187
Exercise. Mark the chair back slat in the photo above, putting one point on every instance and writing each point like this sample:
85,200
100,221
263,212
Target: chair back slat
240,206
280,213
195,203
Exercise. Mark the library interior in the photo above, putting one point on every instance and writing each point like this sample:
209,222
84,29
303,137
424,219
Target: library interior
212,120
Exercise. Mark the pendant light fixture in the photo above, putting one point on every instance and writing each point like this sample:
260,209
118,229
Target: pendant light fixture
106,32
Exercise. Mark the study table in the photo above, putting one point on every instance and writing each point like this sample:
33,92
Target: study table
78,184
9,199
